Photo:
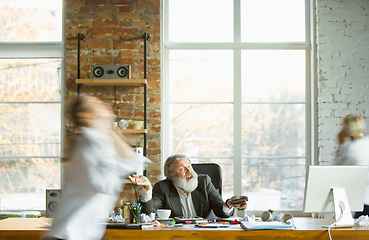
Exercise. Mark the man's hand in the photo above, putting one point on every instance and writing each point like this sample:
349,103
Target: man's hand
140,181
238,205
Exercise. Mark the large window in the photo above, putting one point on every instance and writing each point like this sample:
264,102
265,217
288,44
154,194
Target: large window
236,92
31,52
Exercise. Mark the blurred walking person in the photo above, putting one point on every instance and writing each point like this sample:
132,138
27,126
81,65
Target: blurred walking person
353,149
98,160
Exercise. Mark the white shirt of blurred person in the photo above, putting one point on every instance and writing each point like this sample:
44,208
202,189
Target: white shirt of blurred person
353,149
194,192
98,159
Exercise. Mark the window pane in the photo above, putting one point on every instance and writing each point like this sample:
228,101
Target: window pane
274,183
273,75
200,75
200,20
272,94
29,80
227,173
30,129
273,21
23,182
273,130
30,21
202,129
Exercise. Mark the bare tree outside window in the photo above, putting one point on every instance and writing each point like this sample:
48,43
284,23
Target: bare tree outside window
273,120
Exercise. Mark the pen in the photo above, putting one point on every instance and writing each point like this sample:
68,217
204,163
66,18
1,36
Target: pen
204,225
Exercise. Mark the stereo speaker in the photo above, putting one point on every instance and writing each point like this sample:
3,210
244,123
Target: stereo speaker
111,71
140,167
53,197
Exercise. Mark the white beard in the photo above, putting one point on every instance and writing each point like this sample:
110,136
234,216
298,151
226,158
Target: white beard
187,186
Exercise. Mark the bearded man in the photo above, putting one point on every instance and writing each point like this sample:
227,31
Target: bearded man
186,193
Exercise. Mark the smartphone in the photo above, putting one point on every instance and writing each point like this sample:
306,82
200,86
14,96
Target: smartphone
237,201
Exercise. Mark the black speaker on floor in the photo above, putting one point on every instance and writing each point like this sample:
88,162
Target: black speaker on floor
111,71
53,197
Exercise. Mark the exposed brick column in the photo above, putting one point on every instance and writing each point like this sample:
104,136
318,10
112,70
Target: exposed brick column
343,67
114,30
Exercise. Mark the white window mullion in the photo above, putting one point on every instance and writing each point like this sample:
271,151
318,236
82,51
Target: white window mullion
311,85
31,50
237,132
165,136
237,45
30,102
308,106
308,112
164,21
237,21
62,91
237,107
166,139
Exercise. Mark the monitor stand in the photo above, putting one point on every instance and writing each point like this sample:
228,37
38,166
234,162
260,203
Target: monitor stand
341,208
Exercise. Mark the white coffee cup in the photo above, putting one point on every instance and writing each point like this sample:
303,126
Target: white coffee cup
163,213
286,217
266,216
123,124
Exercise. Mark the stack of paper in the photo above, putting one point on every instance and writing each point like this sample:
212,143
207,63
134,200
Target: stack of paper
265,225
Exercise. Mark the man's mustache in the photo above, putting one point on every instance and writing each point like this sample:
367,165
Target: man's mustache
190,175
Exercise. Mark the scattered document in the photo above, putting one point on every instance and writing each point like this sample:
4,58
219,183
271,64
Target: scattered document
44,223
265,225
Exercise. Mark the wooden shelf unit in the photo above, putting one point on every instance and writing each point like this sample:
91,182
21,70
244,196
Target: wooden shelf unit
117,82
111,82
134,131
126,131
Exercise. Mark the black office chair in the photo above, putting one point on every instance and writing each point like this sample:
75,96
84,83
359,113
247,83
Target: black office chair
213,170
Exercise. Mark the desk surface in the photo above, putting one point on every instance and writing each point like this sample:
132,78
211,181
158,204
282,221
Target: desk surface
306,228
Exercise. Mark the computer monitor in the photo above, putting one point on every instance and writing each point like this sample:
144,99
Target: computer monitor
338,189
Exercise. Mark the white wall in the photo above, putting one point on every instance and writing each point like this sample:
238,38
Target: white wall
343,62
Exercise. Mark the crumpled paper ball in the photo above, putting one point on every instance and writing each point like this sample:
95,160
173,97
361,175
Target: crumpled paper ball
363,220
116,218
249,218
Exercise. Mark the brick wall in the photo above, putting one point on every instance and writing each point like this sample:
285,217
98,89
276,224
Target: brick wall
114,30
343,61
110,25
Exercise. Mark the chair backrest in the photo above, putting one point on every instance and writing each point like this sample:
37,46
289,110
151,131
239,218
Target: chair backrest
213,170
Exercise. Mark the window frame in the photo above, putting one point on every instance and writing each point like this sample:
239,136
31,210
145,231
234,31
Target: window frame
40,50
237,46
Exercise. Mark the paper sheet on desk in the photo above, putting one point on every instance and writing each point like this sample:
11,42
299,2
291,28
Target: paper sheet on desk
265,225
44,223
